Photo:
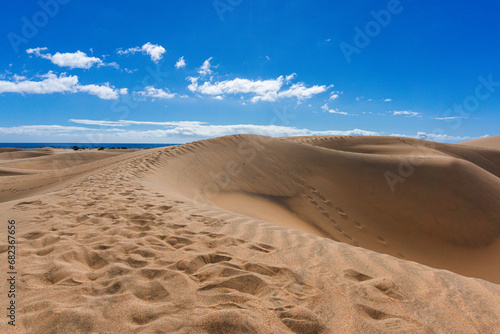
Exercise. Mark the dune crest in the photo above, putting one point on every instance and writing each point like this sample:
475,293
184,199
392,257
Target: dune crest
492,142
408,198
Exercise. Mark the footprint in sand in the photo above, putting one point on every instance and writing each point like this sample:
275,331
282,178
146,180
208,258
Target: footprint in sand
260,247
356,275
313,202
321,197
347,236
373,313
382,240
341,212
301,321
326,214
327,202
358,225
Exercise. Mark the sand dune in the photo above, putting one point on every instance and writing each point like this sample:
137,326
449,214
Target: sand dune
16,171
492,142
24,154
445,200
40,175
248,234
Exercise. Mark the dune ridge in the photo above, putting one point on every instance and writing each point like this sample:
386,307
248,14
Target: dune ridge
346,196
492,142
248,234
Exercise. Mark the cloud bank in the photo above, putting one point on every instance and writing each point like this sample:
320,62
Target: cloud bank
51,83
269,90
163,132
206,130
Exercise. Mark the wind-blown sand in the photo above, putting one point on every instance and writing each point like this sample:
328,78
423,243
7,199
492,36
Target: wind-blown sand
249,234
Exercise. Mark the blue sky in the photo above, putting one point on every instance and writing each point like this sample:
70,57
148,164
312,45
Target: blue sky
174,72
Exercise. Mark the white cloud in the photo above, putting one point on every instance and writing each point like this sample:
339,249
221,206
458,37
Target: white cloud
449,118
52,83
129,50
269,90
159,93
407,113
113,64
104,92
205,69
265,90
100,123
388,100
128,122
37,51
205,130
334,96
181,63
290,77
153,50
161,132
335,111
73,60
18,78
42,130
301,92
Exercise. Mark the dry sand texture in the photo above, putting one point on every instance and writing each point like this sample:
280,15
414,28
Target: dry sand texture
248,234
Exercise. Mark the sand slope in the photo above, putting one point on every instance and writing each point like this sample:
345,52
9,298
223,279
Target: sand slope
166,240
442,211
41,170
492,142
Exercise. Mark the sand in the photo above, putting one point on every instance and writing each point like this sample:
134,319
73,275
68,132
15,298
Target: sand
488,142
249,234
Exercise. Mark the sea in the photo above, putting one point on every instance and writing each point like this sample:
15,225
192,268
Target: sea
83,145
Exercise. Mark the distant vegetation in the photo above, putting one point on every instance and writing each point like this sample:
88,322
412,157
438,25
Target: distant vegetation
78,148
